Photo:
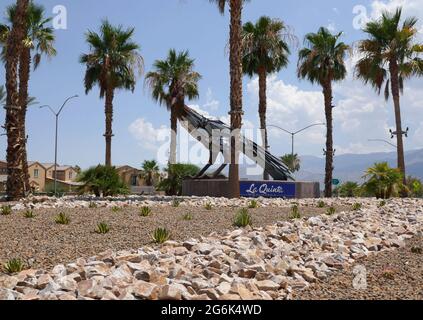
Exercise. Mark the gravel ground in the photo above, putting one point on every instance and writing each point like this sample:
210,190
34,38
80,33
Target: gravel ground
391,275
41,243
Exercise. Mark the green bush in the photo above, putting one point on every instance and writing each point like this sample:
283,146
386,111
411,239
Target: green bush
6,210
29,214
382,204
62,218
92,205
13,266
253,204
188,216
295,212
102,180
321,204
331,211
161,235
383,182
348,190
415,186
357,206
145,212
172,185
176,203
102,228
116,209
243,219
208,206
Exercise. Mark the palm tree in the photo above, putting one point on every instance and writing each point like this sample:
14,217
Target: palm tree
15,139
151,171
390,56
322,61
235,59
173,80
40,39
292,161
112,63
264,52
383,181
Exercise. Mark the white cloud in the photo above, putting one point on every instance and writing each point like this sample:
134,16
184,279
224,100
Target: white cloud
211,103
332,27
148,136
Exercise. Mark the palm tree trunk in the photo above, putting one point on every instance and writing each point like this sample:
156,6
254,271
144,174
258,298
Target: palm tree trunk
327,92
396,96
15,141
262,112
24,73
109,120
236,94
174,133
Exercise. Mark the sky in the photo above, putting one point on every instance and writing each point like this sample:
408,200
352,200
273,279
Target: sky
197,26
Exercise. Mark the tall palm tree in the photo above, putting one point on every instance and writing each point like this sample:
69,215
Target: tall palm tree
40,39
264,51
173,80
15,139
322,61
151,171
292,161
235,59
390,56
112,63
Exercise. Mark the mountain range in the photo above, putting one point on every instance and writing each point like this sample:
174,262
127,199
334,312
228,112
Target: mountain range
351,167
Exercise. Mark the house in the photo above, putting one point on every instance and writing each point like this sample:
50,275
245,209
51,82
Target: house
41,176
37,176
131,176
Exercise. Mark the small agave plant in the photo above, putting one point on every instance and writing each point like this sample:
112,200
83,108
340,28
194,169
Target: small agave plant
102,228
243,219
145,211
13,266
161,235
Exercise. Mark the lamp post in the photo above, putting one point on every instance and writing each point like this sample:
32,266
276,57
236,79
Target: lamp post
57,114
293,134
384,141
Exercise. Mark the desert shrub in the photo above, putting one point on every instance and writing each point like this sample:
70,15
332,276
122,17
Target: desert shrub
29,214
92,205
415,186
176,173
243,219
6,210
145,211
331,211
321,204
62,218
348,190
102,228
382,204
357,206
176,203
295,212
253,204
383,182
188,216
102,181
13,266
208,206
116,209
161,235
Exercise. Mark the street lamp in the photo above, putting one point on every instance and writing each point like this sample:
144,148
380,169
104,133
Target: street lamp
57,114
293,134
384,141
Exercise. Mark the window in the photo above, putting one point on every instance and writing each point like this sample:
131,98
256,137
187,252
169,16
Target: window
36,173
70,175
134,181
